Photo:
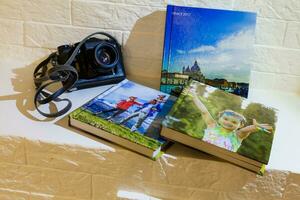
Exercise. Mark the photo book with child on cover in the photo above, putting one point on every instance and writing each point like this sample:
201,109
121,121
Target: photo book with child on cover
128,114
222,124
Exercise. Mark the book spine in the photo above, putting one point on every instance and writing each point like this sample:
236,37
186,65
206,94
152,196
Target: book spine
167,41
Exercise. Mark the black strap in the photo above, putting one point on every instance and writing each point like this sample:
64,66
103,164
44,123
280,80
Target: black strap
40,93
44,97
44,77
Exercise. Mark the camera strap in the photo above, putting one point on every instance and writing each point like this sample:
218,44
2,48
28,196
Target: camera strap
43,78
66,73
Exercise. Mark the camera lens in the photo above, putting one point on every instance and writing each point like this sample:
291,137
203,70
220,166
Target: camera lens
106,55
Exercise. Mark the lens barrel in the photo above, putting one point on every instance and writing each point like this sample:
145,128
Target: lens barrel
106,55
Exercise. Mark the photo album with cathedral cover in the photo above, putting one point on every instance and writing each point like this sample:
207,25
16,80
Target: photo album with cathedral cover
208,45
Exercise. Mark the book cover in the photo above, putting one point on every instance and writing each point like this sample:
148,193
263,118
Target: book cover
129,113
208,45
239,128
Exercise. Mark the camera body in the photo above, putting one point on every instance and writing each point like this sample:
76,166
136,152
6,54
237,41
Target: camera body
88,63
97,62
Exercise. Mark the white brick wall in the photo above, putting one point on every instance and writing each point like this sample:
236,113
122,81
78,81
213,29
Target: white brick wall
139,25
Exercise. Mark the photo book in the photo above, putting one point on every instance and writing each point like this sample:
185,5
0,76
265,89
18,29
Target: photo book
128,114
208,45
222,124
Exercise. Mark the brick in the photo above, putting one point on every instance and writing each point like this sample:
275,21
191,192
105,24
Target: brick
207,195
287,83
51,197
118,163
108,1
51,36
262,80
110,188
13,195
137,168
104,187
13,57
107,16
276,60
292,190
76,159
125,36
11,32
271,185
292,37
11,9
216,4
191,170
156,3
54,11
17,56
270,32
176,2
12,150
272,81
161,191
46,181
287,10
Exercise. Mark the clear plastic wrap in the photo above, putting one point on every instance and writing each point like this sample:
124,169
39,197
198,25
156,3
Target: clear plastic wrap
35,170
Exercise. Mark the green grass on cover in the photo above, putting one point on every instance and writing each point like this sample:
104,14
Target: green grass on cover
118,130
189,120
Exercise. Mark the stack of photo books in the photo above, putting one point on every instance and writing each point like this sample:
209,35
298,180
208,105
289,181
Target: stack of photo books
203,117
206,52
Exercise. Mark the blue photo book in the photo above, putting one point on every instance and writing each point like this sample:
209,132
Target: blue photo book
208,45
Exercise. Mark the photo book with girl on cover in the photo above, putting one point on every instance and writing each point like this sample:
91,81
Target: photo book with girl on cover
222,124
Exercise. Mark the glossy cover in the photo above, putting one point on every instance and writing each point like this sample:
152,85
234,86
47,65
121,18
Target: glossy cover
207,45
224,120
128,110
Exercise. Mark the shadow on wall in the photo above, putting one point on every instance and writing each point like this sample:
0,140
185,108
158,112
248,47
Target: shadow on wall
143,49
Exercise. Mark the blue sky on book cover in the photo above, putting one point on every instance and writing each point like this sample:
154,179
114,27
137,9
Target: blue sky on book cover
219,43
141,117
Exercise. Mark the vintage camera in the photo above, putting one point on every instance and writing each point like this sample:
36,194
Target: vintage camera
88,63
97,62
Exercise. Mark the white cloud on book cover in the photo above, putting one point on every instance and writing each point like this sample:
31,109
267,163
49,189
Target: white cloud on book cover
229,58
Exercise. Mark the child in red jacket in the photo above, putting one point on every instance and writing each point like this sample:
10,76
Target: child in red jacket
121,107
